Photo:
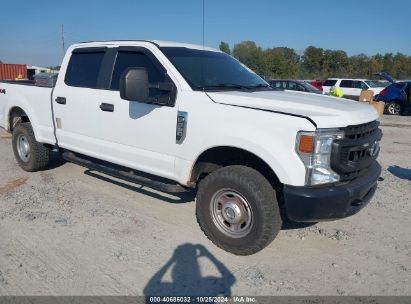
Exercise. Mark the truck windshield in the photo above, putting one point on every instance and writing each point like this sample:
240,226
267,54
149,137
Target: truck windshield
209,70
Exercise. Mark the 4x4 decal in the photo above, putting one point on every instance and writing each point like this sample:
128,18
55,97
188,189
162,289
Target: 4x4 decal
2,91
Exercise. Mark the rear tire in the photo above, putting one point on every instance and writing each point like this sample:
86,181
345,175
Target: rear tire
30,154
394,108
237,210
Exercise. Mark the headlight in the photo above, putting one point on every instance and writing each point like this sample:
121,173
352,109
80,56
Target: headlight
314,149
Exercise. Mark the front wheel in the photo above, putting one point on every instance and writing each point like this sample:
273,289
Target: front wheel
394,108
237,210
30,154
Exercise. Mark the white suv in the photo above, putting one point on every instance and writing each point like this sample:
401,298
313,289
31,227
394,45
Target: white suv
351,88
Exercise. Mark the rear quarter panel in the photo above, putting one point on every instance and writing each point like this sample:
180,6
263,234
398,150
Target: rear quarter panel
35,102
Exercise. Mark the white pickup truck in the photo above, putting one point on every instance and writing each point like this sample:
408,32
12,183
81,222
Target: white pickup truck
180,117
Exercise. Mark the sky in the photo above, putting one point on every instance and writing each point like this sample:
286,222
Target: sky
30,31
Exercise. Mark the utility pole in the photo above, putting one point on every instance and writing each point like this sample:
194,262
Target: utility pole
62,39
203,24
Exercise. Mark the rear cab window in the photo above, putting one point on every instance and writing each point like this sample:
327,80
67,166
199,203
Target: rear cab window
84,67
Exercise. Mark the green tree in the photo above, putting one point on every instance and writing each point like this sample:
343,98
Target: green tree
388,63
335,64
312,62
401,66
281,62
360,66
250,55
316,63
224,47
376,63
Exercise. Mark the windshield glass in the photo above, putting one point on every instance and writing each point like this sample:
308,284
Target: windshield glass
375,84
212,70
310,87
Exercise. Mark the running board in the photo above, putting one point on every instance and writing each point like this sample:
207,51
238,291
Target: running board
120,172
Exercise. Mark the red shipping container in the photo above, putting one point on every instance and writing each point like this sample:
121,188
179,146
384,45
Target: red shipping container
12,71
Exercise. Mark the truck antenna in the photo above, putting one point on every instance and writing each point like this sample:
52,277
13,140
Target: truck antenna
62,39
203,24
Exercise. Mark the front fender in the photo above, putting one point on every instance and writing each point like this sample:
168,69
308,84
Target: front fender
280,157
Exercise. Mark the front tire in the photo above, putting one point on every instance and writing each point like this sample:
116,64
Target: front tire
237,210
394,108
30,155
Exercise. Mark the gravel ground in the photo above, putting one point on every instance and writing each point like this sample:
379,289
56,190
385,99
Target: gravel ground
70,231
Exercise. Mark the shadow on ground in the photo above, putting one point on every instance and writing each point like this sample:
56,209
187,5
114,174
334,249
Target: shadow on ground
186,277
403,173
56,160
290,225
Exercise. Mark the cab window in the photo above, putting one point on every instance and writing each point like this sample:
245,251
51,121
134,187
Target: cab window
84,68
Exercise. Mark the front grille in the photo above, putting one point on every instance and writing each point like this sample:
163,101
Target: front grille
352,155
359,131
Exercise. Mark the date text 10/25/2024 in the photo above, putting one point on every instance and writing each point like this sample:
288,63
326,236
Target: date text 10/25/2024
199,299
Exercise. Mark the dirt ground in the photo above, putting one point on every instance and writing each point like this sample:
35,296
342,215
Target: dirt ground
70,231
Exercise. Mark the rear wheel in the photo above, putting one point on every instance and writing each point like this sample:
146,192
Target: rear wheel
394,108
237,210
30,155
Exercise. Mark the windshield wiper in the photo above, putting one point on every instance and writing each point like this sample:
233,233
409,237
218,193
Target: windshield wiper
223,86
261,85
231,86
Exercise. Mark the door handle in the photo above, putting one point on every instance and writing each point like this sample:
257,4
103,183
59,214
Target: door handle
61,100
107,107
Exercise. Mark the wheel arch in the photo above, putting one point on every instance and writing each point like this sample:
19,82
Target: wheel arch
16,115
221,156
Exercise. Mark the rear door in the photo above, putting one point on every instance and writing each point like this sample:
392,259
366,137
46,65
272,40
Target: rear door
76,101
136,134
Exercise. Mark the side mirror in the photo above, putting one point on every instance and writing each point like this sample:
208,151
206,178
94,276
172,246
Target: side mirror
134,85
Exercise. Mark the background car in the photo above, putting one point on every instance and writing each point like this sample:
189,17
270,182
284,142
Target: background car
317,84
293,85
352,88
396,97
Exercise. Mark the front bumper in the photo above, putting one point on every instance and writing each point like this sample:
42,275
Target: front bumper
322,203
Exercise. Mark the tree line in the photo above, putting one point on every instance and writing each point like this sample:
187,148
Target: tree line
317,63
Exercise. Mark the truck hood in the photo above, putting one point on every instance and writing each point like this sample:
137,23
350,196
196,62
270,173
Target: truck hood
324,111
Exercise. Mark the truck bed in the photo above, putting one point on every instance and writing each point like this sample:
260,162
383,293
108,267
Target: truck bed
22,82
35,100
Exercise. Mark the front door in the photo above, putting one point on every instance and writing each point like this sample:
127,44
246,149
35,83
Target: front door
136,134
